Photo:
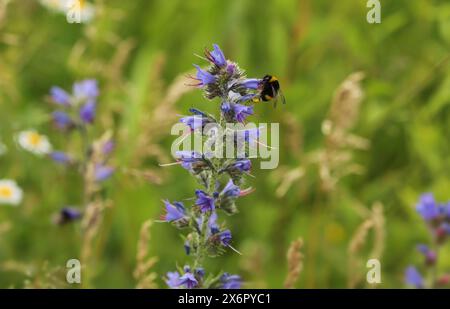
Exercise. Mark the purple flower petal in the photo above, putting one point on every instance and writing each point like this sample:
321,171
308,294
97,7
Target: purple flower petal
60,157
173,279
230,190
87,112
108,147
204,201
243,165
62,120
86,90
188,280
204,77
218,57
174,211
103,172
236,112
230,281
427,207
60,96
413,277
225,237
251,83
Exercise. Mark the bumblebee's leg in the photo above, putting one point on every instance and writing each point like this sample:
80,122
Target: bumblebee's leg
256,99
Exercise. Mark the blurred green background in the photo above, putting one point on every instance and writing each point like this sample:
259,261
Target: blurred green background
138,49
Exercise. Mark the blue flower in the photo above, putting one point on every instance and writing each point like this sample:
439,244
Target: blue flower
231,68
67,215
198,120
86,90
214,231
108,147
237,167
60,96
230,281
251,83
62,120
204,77
87,112
430,255
103,172
427,207
174,212
243,165
60,157
225,237
216,56
413,277
188,280
173,279
230,190
204,201
194,122
212,223
236,112
188,158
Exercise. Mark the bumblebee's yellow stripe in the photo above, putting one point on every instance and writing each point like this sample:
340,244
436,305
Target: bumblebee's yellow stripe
268,97
273,79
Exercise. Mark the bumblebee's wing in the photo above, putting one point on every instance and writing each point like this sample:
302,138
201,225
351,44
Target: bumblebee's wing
281,95
275,97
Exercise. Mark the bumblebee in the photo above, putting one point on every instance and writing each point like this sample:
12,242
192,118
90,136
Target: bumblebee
270,90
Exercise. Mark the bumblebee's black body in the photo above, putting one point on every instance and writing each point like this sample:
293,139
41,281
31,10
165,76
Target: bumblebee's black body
270,90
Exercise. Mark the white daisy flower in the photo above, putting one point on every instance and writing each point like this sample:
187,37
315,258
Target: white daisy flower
75,10
34,142
10,192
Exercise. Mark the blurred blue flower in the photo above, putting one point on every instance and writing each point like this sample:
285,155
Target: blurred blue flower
430,255
60,96
103,172
108,147
413,277
446,227
67,215
427,207
62,120
204,201
86,90
87,112
60,157
174,212
173,279
230,281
